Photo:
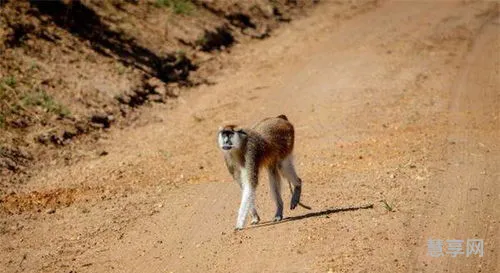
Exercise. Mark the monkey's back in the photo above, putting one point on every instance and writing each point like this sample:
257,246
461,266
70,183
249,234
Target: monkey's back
278,134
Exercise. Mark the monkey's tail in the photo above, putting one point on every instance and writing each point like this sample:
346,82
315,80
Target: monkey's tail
282,117
291,192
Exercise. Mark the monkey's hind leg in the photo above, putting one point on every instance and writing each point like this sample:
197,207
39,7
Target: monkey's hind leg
289,172
275,184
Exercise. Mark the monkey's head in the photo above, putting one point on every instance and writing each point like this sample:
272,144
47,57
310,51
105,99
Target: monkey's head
231,137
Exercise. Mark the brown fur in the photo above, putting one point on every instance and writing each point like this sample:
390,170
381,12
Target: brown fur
269,143
272,140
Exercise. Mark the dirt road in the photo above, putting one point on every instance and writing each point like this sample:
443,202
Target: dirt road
392,100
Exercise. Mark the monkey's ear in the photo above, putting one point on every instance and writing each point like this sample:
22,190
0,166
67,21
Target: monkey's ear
240,131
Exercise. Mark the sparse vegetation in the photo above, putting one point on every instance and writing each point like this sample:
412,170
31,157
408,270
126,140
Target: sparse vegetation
16,101
7,85
202,40
178,6
387,206
44,100
109,51
180,54
9,81
7,92
166,154
121,69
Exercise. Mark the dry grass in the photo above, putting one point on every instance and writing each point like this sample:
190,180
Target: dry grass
178,6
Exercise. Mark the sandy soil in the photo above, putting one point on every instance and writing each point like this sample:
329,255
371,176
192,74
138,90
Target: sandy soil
395,101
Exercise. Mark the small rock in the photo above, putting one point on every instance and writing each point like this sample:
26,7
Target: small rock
69,133
81,126
57,140
173,91
102,118
97,125
261,33
43,138
156,98
20,123
8,164
203,57
154,82
123,98
50,211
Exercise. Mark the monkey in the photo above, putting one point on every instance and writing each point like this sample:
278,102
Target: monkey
268,144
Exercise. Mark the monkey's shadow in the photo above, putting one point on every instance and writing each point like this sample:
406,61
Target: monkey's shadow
311,214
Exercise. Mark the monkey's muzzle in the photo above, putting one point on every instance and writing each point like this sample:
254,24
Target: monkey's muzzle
226,147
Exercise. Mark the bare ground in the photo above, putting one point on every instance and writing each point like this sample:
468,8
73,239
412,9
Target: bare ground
71,70
395,101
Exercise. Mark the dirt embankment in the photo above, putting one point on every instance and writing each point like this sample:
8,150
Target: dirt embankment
70,70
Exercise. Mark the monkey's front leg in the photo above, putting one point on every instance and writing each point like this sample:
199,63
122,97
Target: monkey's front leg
255,216
247,199
253,210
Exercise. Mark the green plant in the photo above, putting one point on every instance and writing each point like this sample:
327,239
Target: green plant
7,87
44,100
121,69
33,67
180,54
387,206
202,40
2,92
178,6
9,81
166,154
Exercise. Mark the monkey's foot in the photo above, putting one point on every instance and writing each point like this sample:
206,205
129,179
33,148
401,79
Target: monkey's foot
295,197
278,218
255,221
237,228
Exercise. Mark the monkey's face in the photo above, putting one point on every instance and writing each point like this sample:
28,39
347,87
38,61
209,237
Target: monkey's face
230,139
